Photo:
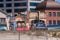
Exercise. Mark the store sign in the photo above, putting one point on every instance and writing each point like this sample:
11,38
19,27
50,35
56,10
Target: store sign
22,29
40,25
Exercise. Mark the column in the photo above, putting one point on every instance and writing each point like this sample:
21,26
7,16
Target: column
7,21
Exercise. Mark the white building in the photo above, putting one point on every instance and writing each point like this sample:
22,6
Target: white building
4,19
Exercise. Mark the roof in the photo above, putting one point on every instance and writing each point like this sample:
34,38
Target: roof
4,12
48,4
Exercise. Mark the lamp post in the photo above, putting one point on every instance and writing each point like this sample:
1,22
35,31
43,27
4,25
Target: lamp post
19,29
19,32
19,35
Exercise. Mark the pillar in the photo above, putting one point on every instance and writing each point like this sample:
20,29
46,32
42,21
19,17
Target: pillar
7,21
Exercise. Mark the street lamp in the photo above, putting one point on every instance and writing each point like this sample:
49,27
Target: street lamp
19,27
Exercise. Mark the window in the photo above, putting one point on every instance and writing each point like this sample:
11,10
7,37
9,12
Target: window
1,0
1,5
2,9
36,0
33,4
18,0
32,9
16,10
50,22
58,21
58,13
8,5
53,0
8,10
20,4
50,14
20,10
8,0
54,14
54,21
2,21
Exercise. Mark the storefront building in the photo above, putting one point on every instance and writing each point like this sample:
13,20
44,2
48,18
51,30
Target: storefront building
51,10
4,20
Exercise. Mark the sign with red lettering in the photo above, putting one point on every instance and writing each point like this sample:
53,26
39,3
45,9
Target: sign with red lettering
22,29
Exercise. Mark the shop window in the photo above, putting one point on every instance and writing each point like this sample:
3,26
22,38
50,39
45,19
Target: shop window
50,22
58,21
50,14
58,13
2,21
54,14
54,21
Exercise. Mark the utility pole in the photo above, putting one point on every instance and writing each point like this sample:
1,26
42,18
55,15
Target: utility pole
19,36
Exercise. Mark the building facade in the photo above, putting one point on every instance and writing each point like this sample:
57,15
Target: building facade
4,20
14,6
52,11
32,4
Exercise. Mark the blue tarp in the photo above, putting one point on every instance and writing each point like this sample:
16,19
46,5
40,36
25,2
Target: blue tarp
40,25
53,26
14,25
3,28
58,25
48,26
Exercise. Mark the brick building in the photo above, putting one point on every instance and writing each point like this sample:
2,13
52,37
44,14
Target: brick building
51,10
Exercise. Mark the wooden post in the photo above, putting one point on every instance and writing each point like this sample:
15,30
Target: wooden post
19,36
